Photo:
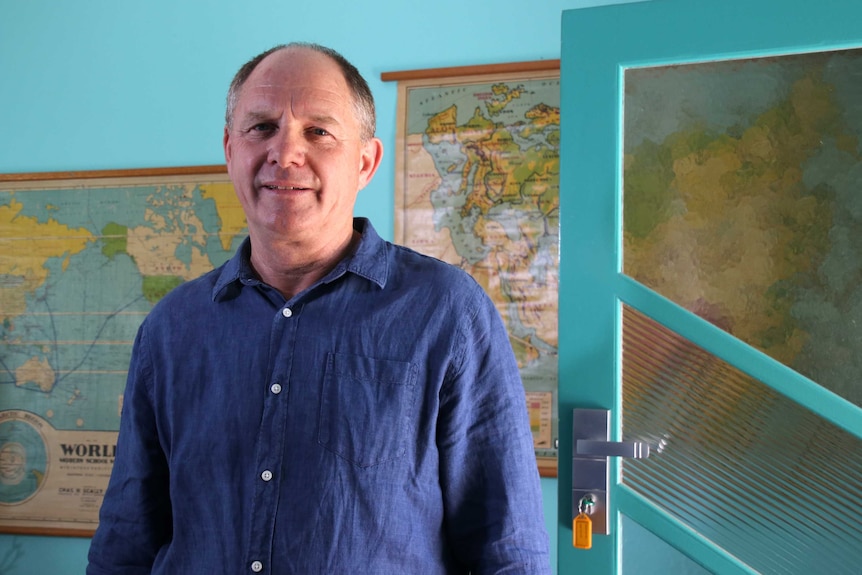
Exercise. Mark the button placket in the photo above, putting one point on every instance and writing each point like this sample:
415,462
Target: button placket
271,443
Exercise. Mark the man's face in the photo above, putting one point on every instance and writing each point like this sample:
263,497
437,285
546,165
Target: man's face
294,151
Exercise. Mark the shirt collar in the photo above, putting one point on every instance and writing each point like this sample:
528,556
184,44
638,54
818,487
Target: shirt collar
369,261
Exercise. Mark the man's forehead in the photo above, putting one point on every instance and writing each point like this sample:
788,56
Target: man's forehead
273,99
298,65
301,78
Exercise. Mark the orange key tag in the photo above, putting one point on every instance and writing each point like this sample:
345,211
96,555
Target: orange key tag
582,531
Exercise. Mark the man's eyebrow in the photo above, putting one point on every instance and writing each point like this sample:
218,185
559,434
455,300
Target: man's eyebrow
324,119
256,116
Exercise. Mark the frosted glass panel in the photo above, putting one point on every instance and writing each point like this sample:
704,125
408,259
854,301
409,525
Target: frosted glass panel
763,477
743,202
646,554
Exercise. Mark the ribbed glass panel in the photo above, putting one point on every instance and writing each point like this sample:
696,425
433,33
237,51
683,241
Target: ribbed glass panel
741,202
646,554
768,480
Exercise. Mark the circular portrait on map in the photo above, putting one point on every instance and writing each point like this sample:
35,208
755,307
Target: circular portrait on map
23,461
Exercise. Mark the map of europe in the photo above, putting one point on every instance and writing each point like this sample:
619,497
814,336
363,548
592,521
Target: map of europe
81,264
743,202
480,190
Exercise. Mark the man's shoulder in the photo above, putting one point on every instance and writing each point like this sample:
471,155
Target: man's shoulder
433,281
409,261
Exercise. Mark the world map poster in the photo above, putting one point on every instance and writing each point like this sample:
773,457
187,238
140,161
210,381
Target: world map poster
82,261
477,185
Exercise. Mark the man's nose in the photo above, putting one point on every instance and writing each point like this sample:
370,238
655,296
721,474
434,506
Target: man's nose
287,148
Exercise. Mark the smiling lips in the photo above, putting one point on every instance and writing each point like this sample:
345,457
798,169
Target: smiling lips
284,188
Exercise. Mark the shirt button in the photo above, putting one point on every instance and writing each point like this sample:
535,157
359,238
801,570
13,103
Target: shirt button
257,566
286,312
266,475
276,388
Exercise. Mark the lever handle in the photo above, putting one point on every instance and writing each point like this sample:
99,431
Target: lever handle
591,449
636,449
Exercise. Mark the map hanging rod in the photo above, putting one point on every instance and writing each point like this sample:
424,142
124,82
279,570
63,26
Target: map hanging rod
532,66
119,173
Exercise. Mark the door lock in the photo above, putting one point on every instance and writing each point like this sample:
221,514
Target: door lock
591,447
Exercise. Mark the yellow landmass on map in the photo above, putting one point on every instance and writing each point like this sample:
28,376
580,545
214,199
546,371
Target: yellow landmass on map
503,94
442,126
154,246
489,176
22,263
228,209
176,216
154,253
542,116
38,371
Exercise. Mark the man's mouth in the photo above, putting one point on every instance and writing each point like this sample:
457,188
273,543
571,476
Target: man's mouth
284,188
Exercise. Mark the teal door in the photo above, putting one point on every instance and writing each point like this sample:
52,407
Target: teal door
711,282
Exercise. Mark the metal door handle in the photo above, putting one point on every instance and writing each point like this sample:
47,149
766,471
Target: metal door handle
591,447
636,449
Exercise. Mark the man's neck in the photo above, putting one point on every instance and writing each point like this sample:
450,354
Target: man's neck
291,267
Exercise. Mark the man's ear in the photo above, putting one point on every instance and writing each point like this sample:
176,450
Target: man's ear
369,160
226,144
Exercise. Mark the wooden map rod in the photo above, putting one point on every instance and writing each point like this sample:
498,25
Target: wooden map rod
141,172
533,66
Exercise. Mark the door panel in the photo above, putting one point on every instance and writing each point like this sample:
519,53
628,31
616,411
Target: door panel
709,278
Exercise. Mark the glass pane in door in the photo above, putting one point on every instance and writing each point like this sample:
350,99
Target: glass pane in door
743,202
766,479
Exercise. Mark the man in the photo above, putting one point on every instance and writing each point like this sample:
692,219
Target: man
325,402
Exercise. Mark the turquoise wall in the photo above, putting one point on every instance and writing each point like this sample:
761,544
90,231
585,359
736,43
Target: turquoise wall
105,84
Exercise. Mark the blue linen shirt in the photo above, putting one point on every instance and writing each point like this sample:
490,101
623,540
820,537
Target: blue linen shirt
374,423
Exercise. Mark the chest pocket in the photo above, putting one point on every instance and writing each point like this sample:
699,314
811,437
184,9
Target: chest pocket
366,408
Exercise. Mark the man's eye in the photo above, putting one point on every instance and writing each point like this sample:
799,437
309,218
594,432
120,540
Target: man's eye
262,128
318,132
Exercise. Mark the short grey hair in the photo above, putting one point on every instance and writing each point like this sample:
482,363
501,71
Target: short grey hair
363,100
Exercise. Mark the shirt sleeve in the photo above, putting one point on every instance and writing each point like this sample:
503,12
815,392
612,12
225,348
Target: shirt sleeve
489,476
135,517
